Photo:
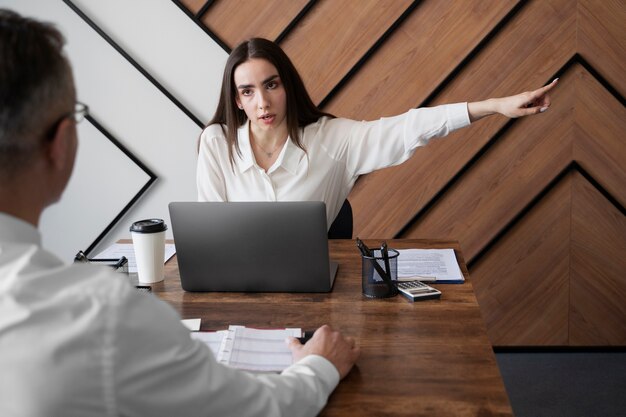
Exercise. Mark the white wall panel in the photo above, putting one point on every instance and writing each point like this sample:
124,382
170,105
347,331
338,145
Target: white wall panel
81,216
162,39
132,109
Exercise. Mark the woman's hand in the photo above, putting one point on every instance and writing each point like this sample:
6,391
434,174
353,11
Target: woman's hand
524,104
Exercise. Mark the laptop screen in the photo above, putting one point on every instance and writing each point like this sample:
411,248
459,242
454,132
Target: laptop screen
252,246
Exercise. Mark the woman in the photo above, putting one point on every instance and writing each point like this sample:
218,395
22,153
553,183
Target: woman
269,142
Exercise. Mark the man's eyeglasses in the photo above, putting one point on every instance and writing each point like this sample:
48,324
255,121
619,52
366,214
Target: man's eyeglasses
80,112
78,115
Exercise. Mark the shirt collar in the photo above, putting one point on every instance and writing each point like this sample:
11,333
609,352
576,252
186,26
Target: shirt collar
289,158
16,230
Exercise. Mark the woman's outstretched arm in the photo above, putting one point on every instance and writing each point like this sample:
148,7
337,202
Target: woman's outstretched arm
524,104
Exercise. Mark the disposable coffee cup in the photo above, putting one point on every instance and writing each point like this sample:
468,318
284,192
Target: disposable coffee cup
149,244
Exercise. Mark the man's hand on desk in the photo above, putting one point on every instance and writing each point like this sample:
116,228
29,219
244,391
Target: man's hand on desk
340,350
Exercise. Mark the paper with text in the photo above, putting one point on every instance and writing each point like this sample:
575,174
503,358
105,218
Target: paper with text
429,265
212,339
259,350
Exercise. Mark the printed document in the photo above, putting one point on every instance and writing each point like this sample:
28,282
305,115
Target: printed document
429,265
250,349
212,339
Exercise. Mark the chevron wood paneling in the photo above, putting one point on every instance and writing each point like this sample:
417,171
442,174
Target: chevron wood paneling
522,283
537,203
600,132
490,73
602,38
598,265
587,128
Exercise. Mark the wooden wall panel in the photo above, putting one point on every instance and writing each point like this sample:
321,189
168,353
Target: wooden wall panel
602,38
417,57
600,144
535,34
236,20
518,195
333,39
598,269
520,164
522,283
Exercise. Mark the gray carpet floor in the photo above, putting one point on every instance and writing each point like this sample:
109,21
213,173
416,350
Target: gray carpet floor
568,384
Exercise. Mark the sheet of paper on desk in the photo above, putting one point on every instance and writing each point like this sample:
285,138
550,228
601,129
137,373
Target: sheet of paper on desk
260,350
429,265
212,339
117,250
192,324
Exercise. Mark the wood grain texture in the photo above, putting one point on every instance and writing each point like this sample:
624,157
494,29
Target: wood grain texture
506,65
600,145
520,164
602,38
598,269
426,358
236,20
332,39
419,55
522,283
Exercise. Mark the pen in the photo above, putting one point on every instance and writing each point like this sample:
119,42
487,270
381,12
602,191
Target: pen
385,254
365,251
306,335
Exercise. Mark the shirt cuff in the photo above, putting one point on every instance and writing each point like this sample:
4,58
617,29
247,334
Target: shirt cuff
323,368
458,115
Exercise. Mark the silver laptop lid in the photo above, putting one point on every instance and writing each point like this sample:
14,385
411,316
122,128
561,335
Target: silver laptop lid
252,246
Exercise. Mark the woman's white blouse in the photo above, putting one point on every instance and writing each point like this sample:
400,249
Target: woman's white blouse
337,152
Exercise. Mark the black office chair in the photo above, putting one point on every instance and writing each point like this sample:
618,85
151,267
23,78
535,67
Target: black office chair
342,225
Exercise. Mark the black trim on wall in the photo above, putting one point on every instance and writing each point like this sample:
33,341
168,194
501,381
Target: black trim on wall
294,22
204,9
202,26
571,167
134,63
137,196
370,52
600,78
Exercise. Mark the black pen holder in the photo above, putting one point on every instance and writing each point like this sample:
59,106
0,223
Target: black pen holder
375,285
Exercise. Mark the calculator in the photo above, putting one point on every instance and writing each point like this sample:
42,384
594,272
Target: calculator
417,290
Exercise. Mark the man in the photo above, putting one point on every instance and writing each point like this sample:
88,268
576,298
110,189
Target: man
77,339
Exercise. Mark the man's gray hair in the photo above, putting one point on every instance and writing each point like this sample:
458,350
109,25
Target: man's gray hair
35,83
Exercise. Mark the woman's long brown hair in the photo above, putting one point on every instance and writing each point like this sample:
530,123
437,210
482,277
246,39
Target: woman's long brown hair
300,108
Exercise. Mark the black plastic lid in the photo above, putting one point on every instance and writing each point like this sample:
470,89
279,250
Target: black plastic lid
148,226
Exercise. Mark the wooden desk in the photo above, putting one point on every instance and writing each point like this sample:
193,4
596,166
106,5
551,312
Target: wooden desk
425,358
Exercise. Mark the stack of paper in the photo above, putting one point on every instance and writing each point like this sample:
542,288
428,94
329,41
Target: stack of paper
429,265
241,347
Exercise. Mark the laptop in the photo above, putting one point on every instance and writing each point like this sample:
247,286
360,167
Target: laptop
252,246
